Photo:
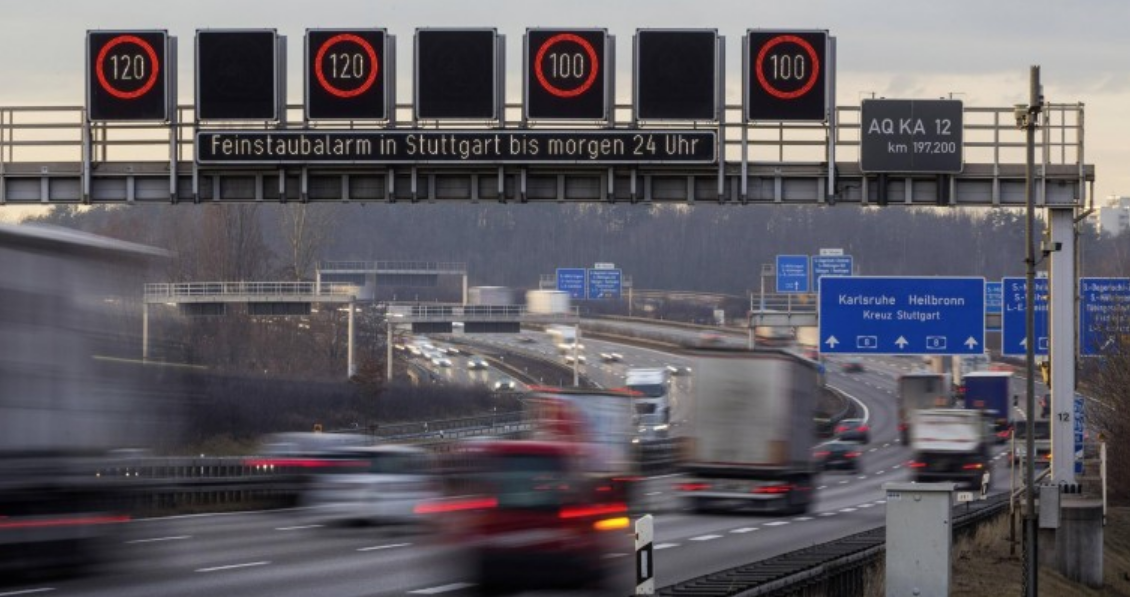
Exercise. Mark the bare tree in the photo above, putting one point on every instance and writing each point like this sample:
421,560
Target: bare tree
306,229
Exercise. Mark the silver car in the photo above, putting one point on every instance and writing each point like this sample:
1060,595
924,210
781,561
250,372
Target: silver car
375,485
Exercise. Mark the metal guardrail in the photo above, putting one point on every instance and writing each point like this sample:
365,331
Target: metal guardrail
445,267
835,568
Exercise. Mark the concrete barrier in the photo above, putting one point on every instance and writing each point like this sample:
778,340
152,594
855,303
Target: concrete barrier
1079,540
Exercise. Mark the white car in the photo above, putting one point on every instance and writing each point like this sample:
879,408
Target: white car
611,357
376,485
582,359
441,362
678,369
477,363
505,385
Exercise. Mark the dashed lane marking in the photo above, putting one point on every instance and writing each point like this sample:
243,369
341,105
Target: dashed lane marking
380,547
844,482
803,519
865,505
664,546
777,523
706,537
27,592
821,487
846,510
232,567
299,528
881,473
827,514
455,586
157,539
744,530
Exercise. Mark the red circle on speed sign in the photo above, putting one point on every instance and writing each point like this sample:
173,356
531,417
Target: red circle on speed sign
586,46
330,87
760,67
149,51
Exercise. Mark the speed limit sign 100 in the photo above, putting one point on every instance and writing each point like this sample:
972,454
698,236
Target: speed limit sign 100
786,74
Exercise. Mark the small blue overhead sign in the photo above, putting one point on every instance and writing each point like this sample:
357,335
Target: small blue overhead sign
885,315
792,274
572,280
605,283
1013,341
830,265
1104,314
994,299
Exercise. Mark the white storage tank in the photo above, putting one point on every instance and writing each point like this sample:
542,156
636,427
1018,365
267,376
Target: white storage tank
490,295
547,301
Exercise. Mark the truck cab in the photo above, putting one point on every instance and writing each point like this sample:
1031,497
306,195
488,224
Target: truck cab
651,402
950,445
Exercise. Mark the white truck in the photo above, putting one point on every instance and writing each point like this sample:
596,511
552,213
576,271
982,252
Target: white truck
920,391
752,432
652,402
950,444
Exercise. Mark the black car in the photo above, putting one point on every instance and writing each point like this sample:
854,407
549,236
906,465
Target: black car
852,367
853,430
837,455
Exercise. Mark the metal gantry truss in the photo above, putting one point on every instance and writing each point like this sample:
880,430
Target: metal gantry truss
50,155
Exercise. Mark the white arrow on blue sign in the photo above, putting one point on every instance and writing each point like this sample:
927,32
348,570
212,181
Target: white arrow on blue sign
1013,341
572,280
1104,314
792,274
917,315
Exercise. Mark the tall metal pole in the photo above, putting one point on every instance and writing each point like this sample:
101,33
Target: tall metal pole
352,366
388,357
576,361
1030,122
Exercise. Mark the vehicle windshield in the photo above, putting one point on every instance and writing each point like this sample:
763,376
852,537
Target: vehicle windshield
1041,429
528,480
646,408
651,390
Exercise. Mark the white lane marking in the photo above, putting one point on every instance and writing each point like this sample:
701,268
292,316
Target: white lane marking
777,523
705,538
803,519
887,445
865,505
861,477
455,586
881,473
298,528
844,482
664,546
27,592
845,510
156,539
896,466
821,487
743,530
232,567
866,411
612,556
880,501
827,514
654,493
873,449
379,547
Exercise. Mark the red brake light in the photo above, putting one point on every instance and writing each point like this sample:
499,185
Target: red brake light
854,454
305,462
586,511
692,486
773,489
973,466
915,464
455,506
863,427
841,428
821,454
64,522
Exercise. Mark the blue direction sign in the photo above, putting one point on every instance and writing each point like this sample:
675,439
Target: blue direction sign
604,283
1078,422
994,299
830,265
1104,314
1012,321
572,280
883,315
792,274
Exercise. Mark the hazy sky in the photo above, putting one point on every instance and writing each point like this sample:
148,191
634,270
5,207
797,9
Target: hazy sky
979,50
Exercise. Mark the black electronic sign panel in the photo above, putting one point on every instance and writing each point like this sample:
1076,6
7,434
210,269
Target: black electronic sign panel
347,74
237,74
676,74
915,136
457,74
786,74
567,74
127,76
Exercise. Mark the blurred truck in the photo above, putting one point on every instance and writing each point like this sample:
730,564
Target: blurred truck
950,445
992,393
490,295
918,392
547,301
752,432
651,401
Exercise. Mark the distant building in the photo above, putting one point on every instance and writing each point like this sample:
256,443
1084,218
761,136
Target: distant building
1114,218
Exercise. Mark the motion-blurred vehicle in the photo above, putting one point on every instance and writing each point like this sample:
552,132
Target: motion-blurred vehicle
992,392
679,370
950,445
917,392
505,385
580,358
374,485
526,339
852,366
476,362
532,519
450,350
853,430
611,357
1042,440
441,361
752,434
811,353
651,401
838,455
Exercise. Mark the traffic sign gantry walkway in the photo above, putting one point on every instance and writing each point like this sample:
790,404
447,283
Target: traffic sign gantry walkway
48,156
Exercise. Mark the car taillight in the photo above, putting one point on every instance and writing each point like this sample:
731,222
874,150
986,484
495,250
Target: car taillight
692,486
863,428
854,454
304,463
1004,433
915,464
821,454
455,505
841,428
973,466
772,489
585,511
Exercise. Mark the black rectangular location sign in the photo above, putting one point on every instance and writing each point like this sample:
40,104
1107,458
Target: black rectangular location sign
911,136
567,74
399,146
347,74
127,76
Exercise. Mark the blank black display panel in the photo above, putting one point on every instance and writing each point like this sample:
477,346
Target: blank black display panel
455,74
675,75
236,75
